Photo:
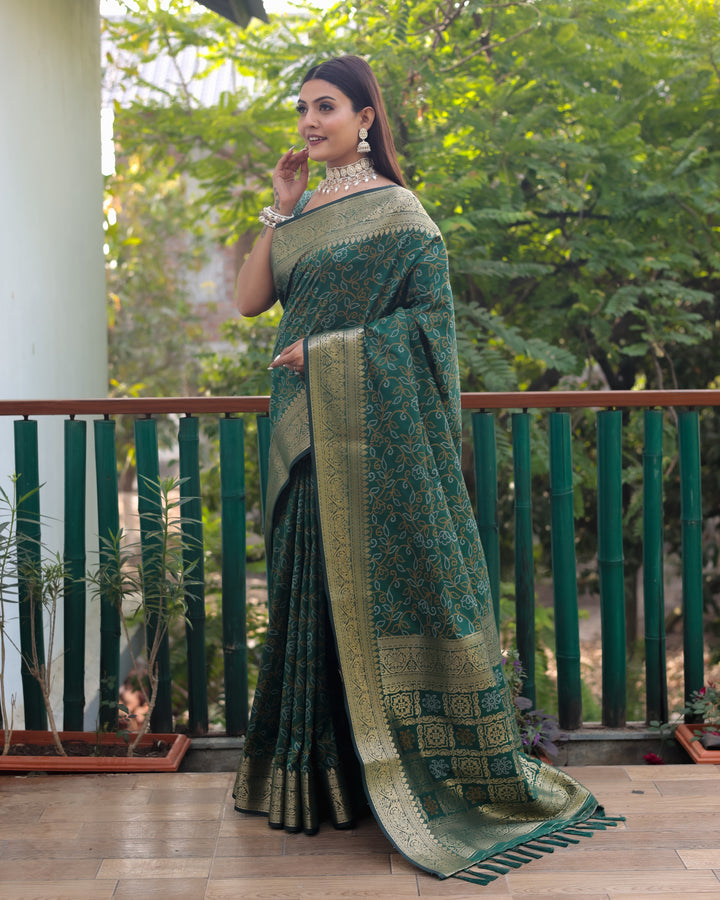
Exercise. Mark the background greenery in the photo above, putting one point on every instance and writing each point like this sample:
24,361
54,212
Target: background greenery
568,149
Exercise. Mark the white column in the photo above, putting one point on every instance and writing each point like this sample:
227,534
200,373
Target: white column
52,285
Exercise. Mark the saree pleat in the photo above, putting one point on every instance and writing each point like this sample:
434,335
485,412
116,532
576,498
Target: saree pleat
298,750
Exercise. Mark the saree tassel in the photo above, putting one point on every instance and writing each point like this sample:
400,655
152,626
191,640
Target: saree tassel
530,854
556,840
506,860
475,877
565,835
520,855
601,822
492,867
543,848
488,870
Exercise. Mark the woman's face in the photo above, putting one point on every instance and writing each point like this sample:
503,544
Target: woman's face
328,124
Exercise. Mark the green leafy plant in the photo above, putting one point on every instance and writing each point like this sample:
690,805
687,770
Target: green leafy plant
9,504
704,704
153,576
42,580
45,582
538,729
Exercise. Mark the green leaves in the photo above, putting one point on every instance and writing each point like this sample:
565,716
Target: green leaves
567,150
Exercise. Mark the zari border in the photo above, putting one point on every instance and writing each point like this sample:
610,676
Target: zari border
337,401
290,439
353,218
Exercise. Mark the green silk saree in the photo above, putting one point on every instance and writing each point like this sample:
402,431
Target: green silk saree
367,513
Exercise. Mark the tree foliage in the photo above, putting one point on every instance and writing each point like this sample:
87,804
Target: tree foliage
568,149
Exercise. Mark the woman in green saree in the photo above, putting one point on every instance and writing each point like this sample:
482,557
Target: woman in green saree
382,668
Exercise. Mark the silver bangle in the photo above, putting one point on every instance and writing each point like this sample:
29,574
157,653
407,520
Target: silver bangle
272,218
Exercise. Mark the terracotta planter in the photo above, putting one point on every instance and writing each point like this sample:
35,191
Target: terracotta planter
178,743
684,736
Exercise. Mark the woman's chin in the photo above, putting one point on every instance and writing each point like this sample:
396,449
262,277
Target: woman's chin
316,152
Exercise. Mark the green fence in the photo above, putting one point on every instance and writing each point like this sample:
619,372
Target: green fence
525,413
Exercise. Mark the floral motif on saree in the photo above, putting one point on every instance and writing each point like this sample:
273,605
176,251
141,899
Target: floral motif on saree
432,722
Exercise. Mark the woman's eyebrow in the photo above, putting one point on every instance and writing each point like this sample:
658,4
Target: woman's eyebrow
317,99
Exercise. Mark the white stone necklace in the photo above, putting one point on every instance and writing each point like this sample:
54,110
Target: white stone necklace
344,176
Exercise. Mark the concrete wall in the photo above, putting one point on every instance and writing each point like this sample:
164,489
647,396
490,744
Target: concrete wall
52,291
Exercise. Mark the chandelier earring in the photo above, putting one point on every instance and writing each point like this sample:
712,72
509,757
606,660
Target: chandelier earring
363,146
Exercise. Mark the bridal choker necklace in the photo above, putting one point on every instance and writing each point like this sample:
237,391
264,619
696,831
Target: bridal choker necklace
345,176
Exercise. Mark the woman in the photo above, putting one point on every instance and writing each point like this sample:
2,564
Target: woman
382,648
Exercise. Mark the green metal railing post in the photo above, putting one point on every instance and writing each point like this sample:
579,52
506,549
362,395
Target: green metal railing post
611,568
29,563
486,499
564,567
150,514
74,586
193,561
108,534
524,560
653,590
692,575
232,481
264,434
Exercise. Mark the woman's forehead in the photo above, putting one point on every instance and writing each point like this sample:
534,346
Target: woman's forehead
317,89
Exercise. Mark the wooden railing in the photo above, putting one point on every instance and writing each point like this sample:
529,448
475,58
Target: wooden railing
607,406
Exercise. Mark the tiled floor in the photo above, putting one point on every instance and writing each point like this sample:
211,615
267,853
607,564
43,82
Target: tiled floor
91,837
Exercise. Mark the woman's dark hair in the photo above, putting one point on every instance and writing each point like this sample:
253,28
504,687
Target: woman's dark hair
354,77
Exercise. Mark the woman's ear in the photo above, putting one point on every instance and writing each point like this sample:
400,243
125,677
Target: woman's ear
367,117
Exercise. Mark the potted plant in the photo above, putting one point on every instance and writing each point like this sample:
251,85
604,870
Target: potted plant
8,597
701,738
158,584
538,730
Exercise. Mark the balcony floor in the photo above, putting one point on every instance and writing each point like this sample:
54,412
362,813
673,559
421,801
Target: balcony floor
90,837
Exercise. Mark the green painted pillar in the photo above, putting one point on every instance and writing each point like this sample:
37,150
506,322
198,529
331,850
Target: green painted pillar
486,498
151,524
232,482
524,559
653,560
29,563
611,568
74,587
692,562
110,604
193,561
562,532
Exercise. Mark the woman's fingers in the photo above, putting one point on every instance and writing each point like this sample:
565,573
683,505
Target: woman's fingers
291,358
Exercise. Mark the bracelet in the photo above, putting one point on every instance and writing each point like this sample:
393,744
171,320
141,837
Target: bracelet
272,218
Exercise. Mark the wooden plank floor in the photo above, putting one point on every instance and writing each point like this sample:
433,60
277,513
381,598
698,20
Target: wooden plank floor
91,837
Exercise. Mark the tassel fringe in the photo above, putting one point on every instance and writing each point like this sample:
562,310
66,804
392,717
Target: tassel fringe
483,873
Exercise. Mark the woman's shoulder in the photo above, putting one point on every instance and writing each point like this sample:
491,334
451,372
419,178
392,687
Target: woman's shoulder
402,202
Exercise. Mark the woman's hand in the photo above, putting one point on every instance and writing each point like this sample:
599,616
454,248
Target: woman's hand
254,288
290,180
292,358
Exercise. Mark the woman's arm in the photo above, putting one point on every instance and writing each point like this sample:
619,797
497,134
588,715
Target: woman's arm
254,288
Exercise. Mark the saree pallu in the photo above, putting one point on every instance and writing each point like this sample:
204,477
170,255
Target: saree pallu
371,438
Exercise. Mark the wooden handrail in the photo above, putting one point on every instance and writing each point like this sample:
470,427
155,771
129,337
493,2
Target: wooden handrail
227,405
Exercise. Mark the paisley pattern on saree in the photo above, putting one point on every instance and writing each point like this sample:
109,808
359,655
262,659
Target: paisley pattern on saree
429,707
365,283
